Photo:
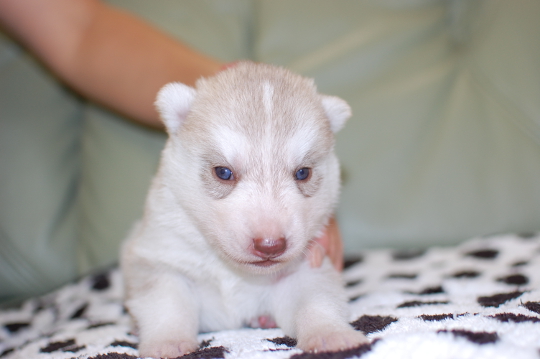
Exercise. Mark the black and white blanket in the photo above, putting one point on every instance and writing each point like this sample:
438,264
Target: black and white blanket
477,300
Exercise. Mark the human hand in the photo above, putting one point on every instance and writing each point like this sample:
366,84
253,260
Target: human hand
329,243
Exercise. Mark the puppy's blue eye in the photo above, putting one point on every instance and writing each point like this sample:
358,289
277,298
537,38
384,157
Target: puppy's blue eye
302,173
224,173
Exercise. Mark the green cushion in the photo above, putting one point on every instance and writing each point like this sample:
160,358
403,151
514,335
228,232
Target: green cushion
444,139
40,129
444,143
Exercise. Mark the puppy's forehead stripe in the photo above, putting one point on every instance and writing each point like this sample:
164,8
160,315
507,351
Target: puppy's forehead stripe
268,95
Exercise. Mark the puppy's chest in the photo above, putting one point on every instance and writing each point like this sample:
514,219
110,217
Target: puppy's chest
231,303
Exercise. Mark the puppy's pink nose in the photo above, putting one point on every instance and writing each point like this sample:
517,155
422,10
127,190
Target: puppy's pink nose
269,247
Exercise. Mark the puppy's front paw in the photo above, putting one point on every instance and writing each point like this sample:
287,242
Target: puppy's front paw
167,348
331,340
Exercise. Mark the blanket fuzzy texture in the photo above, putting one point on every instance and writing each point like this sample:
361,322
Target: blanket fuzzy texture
478,300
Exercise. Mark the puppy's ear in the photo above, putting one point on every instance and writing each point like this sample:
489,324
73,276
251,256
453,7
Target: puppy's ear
173,103
337,111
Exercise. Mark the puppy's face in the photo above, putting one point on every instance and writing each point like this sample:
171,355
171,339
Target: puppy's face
250,157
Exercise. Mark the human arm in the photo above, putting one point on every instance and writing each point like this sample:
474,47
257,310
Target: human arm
104,53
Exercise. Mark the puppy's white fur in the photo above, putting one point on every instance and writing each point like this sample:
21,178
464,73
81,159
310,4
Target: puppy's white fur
190,264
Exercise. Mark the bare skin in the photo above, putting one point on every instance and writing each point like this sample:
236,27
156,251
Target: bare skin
329,244
120,61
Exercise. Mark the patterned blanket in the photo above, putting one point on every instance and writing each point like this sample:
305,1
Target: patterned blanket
478,300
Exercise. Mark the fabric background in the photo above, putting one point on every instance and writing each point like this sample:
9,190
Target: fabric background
443,144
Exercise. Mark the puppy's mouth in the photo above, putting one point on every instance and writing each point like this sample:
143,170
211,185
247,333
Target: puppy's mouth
265,263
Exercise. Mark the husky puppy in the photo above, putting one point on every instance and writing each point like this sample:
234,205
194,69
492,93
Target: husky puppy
248,177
